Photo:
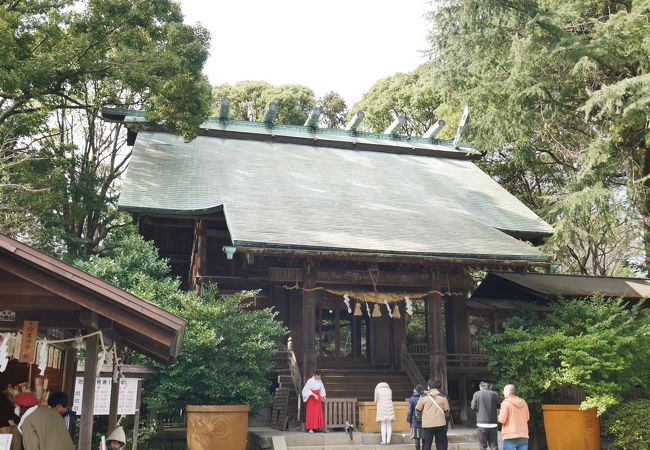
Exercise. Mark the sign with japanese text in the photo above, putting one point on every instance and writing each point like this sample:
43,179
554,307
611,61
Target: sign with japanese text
126,403
28,341
5,441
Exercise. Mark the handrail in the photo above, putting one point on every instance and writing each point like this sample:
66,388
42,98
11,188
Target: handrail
417,348
411,369
294,369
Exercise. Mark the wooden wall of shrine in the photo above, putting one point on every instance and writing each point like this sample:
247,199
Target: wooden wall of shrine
298,286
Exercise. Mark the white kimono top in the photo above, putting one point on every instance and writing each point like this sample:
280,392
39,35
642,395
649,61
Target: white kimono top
313,385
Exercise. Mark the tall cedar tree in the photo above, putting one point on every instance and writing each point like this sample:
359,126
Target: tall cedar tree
560,96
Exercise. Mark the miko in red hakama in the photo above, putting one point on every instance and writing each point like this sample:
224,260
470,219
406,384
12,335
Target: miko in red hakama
314,419
313,394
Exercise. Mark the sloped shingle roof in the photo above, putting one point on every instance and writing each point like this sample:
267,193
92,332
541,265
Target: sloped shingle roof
306,194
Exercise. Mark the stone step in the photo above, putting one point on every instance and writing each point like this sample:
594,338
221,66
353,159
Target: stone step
340,438
354,447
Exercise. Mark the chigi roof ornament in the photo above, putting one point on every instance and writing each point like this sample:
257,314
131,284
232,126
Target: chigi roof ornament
312,120
354,123
224,108
396,126
433,131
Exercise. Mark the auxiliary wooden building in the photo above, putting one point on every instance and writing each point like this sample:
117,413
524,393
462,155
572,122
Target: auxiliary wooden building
48,309
362,242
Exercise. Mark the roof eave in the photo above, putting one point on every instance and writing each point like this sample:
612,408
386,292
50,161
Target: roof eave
252,247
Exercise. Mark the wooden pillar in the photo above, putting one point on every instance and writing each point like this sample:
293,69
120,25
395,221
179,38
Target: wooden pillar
437,354
88,398
136,417
308,322
462,345
449,323
198,264
115,391
463,398
461,324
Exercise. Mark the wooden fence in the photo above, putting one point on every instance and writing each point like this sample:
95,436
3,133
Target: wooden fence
338,411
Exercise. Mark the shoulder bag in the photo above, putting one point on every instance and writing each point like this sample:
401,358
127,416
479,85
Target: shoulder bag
447,414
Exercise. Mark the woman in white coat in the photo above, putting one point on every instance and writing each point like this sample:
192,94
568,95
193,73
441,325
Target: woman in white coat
385,411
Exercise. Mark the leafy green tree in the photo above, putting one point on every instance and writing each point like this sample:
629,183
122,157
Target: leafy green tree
411,94
249,100
559,96
601,345
227,345
74,178
63,61
52,49
334,110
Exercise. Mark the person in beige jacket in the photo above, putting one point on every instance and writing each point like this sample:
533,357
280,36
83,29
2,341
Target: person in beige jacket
434,424
42,427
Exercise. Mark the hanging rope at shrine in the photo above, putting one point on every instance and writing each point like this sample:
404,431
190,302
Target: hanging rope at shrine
10,345
375,297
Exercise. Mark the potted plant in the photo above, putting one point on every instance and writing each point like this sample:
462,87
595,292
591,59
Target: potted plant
226,351
585,353
220,374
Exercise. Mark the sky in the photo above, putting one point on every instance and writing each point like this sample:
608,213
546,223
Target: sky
339,45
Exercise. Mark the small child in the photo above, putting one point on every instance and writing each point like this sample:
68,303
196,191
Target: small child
416,427
116,439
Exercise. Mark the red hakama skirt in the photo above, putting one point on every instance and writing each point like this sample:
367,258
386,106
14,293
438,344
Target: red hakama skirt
314,419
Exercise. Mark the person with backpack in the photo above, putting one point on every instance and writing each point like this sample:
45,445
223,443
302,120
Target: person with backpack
415,420
434,423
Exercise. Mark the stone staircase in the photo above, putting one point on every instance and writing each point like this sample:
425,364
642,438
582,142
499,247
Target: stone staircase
266,439
360,383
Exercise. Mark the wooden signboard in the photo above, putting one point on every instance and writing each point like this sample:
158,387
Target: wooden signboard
28,342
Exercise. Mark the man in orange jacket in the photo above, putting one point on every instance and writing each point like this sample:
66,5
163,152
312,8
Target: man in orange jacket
514,416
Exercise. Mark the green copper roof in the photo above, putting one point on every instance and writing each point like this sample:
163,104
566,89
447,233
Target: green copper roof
279,194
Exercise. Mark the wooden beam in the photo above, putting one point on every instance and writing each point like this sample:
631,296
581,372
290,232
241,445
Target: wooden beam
309,356
21,287
362,277
199,260
437,354
47,319
115,392
24,302
85,299
136,417
88,398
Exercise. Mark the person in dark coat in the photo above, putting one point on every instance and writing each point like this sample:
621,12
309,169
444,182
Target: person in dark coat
486,402
58,401
416,427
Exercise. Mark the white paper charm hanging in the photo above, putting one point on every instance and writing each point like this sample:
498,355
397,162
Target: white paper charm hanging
409,305
368,309
4,351
346,300
41,361
390,313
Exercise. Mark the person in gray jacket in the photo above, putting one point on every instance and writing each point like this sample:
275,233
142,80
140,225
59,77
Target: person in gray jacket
486,402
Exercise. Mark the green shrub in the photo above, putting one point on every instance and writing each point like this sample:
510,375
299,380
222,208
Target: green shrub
598,344
628,424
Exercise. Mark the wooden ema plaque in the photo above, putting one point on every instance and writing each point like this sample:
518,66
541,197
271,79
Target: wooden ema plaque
28,342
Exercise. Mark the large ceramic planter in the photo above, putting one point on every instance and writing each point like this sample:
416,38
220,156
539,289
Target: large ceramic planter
368,414
569,428
217,427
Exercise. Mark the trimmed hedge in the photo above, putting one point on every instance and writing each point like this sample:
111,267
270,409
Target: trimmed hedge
628,424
